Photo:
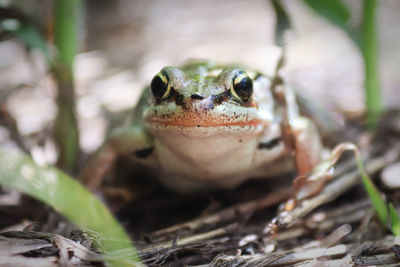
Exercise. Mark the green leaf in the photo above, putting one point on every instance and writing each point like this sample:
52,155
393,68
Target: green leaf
33,39
333,10
394,220
28,34
71,199
282,22
366,39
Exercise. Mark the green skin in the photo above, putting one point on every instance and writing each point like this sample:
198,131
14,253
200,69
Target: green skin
201,133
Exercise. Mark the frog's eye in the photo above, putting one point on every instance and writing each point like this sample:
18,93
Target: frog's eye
160,86
242,86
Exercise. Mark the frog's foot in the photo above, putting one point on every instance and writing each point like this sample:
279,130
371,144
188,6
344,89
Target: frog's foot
312,184
126,140
309,185
97,166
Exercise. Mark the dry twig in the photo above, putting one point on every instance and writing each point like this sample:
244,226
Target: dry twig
329,192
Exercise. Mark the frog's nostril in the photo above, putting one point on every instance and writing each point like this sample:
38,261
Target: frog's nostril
196,96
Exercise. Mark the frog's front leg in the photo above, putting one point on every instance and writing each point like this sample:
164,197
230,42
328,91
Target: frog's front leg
299,133
302,140
124,140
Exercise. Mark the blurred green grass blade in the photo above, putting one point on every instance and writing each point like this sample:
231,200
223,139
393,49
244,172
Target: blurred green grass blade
71,199
333,10
377,201
369,48
282,23
67,16
394,220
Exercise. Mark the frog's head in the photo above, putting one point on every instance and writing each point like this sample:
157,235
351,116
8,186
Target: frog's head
203,96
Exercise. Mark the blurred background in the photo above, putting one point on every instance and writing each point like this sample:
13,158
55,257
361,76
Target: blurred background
123,43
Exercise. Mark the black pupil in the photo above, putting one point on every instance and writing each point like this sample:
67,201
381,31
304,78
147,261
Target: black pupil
244,88
158,87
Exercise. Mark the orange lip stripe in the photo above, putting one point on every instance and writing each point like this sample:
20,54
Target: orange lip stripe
203,123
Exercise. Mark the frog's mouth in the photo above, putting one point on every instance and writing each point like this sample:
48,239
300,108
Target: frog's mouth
199,115
203,119
201,123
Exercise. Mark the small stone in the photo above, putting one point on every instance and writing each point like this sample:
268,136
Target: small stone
390,176
396,250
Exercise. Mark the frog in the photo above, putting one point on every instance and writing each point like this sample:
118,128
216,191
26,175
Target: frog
204,126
